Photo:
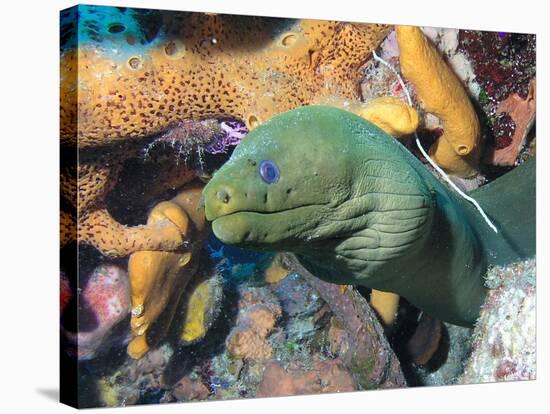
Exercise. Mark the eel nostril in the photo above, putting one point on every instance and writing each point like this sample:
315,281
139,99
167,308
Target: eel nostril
223,196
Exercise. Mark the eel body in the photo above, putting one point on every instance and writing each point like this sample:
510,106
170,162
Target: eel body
357,207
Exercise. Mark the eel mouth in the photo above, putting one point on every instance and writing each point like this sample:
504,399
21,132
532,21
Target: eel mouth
254,228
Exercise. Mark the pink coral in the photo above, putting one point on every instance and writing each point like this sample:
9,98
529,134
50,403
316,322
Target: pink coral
103,303
65,292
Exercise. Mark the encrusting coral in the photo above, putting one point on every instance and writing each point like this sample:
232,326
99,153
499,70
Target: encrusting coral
326,376
247,339
441,93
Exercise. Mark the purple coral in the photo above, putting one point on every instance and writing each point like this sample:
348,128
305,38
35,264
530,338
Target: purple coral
232,133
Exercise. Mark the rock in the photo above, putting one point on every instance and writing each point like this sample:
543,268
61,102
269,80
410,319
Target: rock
504,339
337,338
135,378
324,377
188,390
297,297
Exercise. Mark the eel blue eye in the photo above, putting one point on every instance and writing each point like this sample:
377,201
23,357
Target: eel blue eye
269,171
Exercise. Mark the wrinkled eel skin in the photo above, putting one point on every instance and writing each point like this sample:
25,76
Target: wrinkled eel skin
357,208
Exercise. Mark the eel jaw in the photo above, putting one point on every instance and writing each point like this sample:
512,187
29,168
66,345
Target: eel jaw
272,231
248,229
230,229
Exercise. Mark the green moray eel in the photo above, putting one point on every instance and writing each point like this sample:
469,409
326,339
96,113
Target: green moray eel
356,207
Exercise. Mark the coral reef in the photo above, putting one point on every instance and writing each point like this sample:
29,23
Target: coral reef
504,339
165,97
302,357
440,92
203,67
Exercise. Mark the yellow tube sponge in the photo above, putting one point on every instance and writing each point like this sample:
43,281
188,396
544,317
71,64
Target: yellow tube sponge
194,325
276,271
203,304
441,93
390,114
157,278
385,304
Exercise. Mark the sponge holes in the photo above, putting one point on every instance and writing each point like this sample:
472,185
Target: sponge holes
463,149
174,49
288,39
116,28
252,121
135,63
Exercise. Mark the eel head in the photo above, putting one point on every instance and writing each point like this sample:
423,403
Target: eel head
324,183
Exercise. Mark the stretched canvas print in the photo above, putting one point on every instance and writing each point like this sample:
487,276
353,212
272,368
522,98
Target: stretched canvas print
258,206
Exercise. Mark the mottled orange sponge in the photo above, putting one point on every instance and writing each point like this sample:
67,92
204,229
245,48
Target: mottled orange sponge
210,67
441,93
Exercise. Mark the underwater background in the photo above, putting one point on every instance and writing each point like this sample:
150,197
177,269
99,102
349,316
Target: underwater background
227,322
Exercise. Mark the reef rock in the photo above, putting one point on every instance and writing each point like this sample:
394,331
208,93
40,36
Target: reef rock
135,379
504,345
188,389
324,377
